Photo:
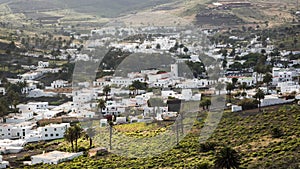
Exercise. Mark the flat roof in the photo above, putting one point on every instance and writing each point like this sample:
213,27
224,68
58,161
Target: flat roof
55,155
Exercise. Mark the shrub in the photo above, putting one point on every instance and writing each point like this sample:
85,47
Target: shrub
208,146
276,132
248,104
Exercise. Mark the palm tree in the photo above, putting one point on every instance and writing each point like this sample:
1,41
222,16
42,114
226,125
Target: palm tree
227,158
90,133
219,87
229,88
205,103
77,133
106,91
267,79
259,95
70,136
101,105
111,124
234,81
137,85
243,86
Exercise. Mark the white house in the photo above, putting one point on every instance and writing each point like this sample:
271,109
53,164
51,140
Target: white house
113,108
2,91
155,77
288,87
195,83
3,164
11,146
40,93
19,117
82,113
121,81
101,82
13,131
82,96
236,108
42,64
59,84
46,114
29,88
32,106
31,75
54,157
283,75
103,122
168,93
250,81
187,94
162,83
270,100
53,131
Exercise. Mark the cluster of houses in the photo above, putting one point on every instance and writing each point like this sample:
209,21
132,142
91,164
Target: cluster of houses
126,105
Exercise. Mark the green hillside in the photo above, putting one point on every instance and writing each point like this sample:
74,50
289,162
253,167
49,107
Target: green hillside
270,139
106,8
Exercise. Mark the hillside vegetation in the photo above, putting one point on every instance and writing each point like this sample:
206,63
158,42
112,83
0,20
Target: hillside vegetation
270,139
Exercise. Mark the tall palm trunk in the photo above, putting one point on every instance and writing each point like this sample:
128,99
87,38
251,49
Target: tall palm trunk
91,141
76,145
72,145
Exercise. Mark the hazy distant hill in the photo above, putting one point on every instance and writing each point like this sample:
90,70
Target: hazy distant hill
107,8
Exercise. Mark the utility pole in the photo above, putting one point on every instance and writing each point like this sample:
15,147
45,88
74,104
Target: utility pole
110,134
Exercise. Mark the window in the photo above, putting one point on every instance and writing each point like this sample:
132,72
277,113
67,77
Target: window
46,129
54,129
51,135
57,135
46,135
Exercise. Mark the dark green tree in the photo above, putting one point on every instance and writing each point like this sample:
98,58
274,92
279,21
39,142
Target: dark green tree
101,105
229,88
227,158
259,95
106,91
267,79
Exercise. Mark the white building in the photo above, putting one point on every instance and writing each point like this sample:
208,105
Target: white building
236,108
283,75
19,117
40,93
250,81
42,64
270,100
82,113
83,96
29,88
195,83
11,146
113,108
14,131
2,91
54,157
174,70
59,84
32,106
121,81
155,77
3,164
31,75
288,87
53,131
